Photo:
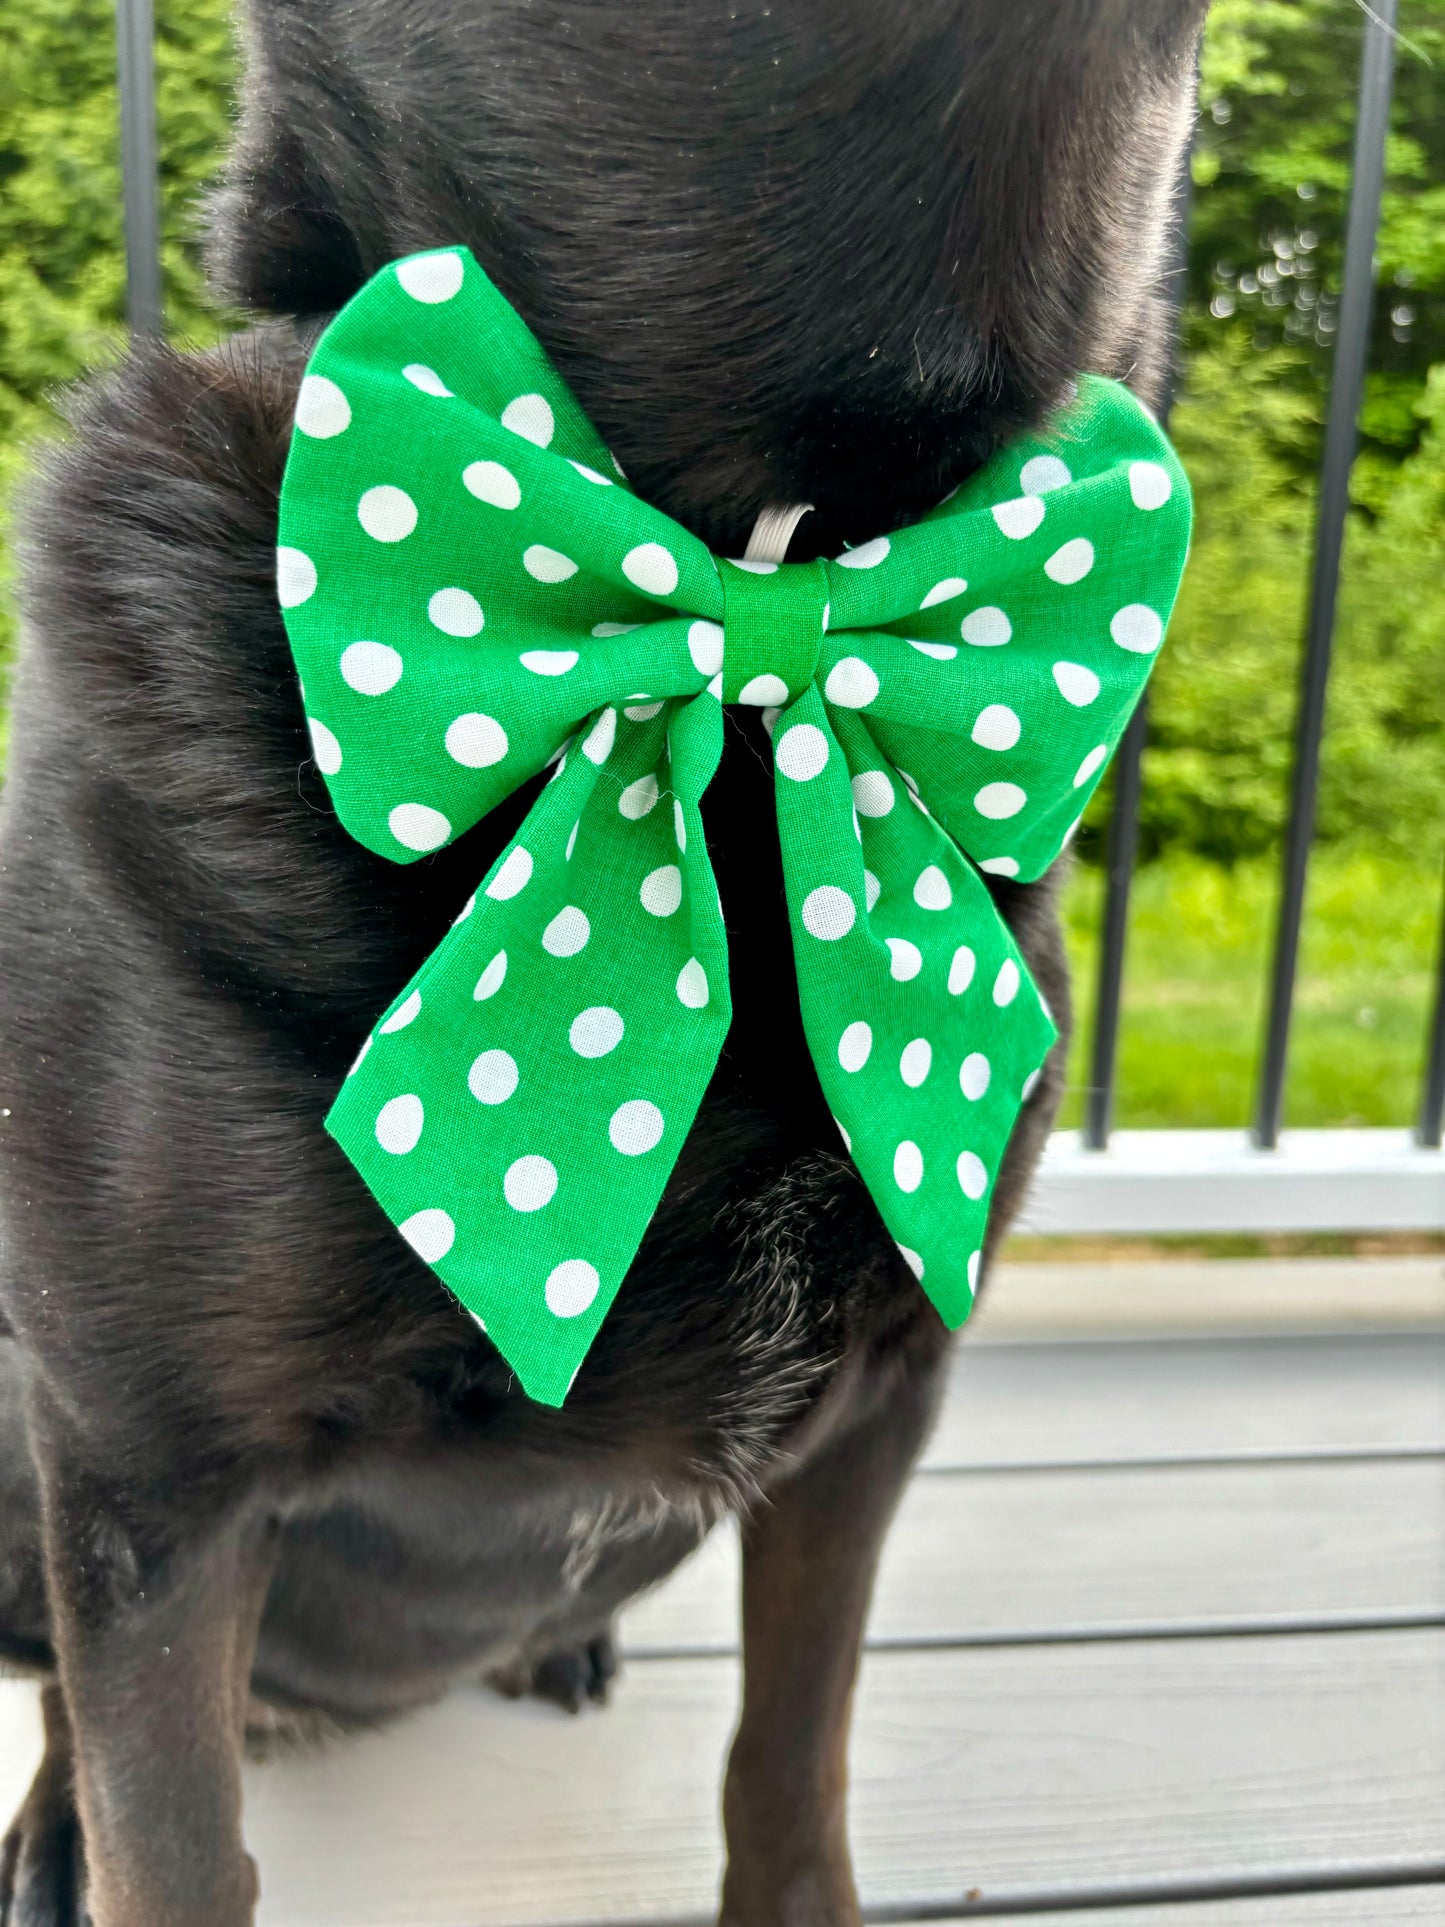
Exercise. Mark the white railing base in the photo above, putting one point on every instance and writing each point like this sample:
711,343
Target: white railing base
1157,1182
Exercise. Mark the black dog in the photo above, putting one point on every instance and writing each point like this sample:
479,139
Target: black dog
822,250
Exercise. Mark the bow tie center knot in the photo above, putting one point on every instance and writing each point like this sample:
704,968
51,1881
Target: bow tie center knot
773,621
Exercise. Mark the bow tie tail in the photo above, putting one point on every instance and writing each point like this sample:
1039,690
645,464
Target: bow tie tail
518,1111
923,1022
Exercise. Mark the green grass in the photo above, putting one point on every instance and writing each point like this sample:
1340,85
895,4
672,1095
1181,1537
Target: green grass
1194,1001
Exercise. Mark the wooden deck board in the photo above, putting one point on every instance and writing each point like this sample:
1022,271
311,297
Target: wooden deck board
1039,1404
979,1555
1359,1907
1015,1771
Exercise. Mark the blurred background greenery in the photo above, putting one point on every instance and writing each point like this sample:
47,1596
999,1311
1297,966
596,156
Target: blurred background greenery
1271,178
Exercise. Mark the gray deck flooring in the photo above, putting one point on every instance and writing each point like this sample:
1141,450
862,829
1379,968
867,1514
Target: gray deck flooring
1159,1639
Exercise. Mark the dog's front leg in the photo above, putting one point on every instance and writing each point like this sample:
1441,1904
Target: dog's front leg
155,1604
809,1556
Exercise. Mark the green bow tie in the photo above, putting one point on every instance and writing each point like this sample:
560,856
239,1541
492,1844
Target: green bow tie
473,592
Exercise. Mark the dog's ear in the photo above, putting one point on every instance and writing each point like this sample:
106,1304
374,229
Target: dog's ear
299,221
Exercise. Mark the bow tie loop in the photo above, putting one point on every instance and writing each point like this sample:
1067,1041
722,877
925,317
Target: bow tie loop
774,618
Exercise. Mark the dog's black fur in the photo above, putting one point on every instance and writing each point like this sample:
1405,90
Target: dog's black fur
819,250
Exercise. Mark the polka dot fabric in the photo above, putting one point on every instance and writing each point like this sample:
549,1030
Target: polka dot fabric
473,592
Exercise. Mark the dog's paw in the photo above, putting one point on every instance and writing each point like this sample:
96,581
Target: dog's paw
567,1677
42,1873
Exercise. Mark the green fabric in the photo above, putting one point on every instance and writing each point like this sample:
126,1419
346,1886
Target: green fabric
473,592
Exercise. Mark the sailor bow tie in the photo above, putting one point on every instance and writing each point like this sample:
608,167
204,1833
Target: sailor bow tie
473,592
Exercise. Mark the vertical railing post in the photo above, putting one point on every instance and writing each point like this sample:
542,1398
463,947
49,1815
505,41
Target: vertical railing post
1123,840
140,180
1346,390
1432,1103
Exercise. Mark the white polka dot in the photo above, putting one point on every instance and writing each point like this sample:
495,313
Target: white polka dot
851,683
371,668
492,978
757,568
405,1013
1095,760
1149,484
1000,866
419,827
427,379
986,629
399,1125
867,555
1077,685
762,692
908,1166
387,514
847,1140
605,629
530,1183
770,717
322,410
1043,474
679,823
571,1287
661,891
1006,983
997,727
1019,519
940,651
590,474
1000,800
360,1056
972,1174
913,1262
855,1045
828,913
714,688
324,747
906,959
597,743
431,277
571,841
531,417
1137,628
802,752
295,577
872,793
974,1075
476,741
705,646
944,591
567,933
548,662
1071,563
651,568
431,1234
456,612
960,971
916,1062
635,1127
492,483
513,875
975,1259
639,797
1031,1084
493,1077
872,889
692,986
547,565
642,712
932,891
595,1032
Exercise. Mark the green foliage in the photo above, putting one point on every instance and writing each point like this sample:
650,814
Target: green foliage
62,268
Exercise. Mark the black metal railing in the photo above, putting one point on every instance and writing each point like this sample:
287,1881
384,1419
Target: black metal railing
135,42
